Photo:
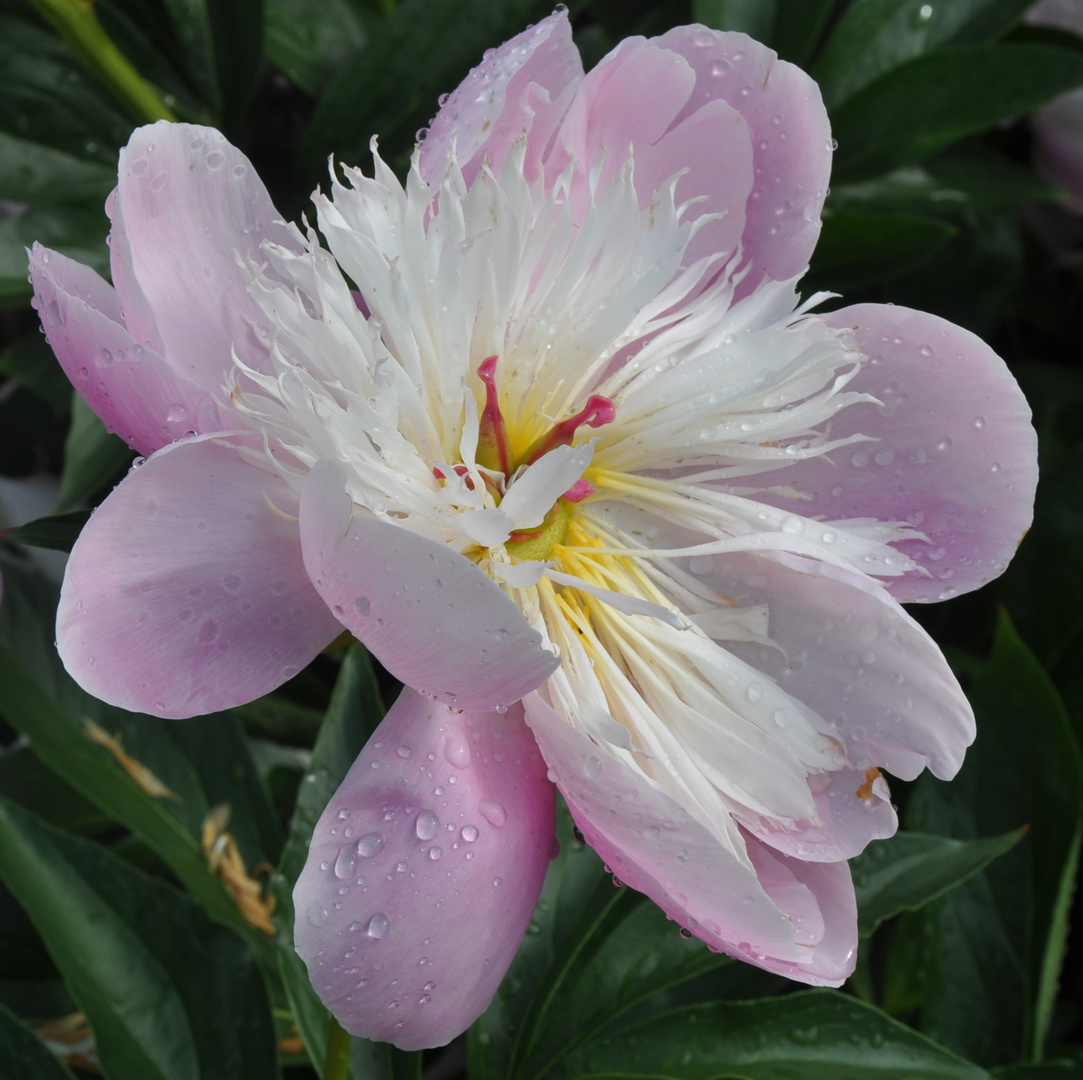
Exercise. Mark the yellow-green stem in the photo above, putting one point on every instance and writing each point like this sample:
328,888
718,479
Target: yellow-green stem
77,24
336,1064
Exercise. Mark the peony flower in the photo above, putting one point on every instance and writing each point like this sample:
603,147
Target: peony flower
578,466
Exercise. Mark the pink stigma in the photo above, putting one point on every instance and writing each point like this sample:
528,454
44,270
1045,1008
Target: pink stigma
492,435
597,412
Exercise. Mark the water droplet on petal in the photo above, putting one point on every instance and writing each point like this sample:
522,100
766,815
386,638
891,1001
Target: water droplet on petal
379,926
493,813
345,864
369,845
427,825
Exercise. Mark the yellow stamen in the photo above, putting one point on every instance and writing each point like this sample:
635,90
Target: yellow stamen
135,769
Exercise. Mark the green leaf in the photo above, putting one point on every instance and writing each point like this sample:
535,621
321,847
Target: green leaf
970,176
575,894
58,532
937,99
910,870
753,17
312,43
391,85
93,457
798,26
992,949
352,715
49,96
168,994
77,231
23,1056
25,779
874,37
221,48
31,362
857,247
201,763
1063,1069
814,1035
32,172
631,954
990,20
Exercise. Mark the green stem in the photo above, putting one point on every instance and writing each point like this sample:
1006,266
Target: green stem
336,1065
77,24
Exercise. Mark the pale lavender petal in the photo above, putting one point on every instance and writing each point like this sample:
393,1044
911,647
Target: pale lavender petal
129,386
185,593
853,655
424,871
613,112
790,135
427,613
819,898
189,209
652,844
954,454
522,86
850,815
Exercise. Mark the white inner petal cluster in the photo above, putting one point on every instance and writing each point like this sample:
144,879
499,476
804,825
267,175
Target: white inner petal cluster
577,291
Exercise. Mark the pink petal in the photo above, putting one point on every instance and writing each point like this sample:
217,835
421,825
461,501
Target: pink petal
848,821
424,871
759,909
189,211
427,613
614,110
819,898
130,387
790,135
854,656
185,593
521,87
955,453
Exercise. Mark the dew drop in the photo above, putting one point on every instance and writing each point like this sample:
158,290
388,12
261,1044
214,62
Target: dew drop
369,845
592,767
379,926
363,605
493,813
403,751
427,825
755,691
215,159
469,833
435,853
345,864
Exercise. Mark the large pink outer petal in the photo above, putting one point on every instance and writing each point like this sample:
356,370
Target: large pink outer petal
188,214
523,86
772,911
853,655
612,113
791,140
955,453
185,592
129,386
427,613
424,871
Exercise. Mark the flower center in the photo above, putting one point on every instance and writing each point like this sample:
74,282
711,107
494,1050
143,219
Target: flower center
495,453
494,447
539,543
